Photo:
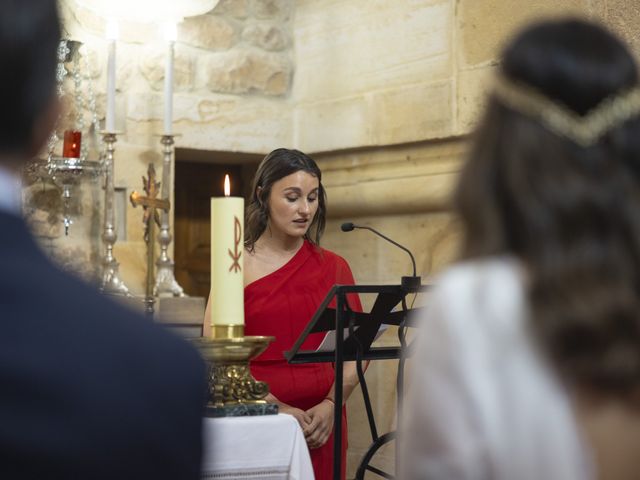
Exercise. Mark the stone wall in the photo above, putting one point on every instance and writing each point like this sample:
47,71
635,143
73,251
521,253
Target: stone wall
376,73
79,249
368,74
232,78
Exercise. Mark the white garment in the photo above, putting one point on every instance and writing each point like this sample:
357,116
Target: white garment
10,192
482,404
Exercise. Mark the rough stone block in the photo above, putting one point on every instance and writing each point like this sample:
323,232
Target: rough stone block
599,10
76,251
484,26
126,68
77,259
394,196
85,18
152,68
267,37
249,71
236,8
44,224
252,124
624,17
256,126
211,108
363,169
92,65
379,163
333,125
271,9
352,48
410,114
129,32
136,32
208,32
473,88
391,116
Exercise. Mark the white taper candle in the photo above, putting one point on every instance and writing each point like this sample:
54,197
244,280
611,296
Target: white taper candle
168,91
171,34
112,34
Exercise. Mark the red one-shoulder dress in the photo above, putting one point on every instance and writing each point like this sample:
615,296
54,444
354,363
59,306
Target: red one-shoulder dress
280,305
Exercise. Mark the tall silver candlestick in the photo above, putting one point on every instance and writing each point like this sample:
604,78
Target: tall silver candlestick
111,282
166,284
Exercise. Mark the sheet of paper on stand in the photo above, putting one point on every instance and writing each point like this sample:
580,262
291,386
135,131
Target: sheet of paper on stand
328,343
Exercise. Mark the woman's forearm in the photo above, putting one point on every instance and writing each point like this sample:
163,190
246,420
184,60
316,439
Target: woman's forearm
270,398
349,382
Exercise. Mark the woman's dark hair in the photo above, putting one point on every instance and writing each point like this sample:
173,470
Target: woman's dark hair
571,213
276,165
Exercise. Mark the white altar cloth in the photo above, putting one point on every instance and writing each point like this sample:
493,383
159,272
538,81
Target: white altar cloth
262,447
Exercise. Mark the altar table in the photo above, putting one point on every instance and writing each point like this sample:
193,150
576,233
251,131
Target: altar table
262,447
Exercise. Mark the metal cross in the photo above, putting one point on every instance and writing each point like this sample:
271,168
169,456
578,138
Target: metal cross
150,218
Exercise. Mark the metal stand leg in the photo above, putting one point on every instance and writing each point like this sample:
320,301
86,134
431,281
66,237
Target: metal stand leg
337,416
379,441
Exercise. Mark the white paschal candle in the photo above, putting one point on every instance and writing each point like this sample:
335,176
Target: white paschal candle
112,35
227,265
171,34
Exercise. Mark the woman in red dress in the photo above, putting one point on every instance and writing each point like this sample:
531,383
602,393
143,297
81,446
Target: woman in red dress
287,275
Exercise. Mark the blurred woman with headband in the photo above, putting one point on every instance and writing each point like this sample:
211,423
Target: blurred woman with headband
528,362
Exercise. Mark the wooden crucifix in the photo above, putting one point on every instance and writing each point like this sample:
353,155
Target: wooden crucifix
150,218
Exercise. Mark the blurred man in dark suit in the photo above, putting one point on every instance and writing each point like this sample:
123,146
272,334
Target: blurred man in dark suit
87,389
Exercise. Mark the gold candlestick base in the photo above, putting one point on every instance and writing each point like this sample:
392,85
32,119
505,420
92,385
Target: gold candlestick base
230,380
227,331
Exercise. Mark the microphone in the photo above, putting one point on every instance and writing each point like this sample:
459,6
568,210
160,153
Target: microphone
408,282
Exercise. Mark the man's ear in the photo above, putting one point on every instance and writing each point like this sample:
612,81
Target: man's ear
43,126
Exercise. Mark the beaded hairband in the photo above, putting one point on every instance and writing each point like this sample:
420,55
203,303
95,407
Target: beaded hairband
584,130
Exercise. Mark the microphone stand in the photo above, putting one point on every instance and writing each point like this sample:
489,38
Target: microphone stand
410,284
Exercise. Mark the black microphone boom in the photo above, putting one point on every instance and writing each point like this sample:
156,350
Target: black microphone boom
348,227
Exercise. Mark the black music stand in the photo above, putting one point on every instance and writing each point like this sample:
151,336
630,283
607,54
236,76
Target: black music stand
362,328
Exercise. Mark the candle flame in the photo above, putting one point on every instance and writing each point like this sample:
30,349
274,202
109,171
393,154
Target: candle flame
227,186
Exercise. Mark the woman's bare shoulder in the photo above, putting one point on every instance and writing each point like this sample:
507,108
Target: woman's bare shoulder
250,266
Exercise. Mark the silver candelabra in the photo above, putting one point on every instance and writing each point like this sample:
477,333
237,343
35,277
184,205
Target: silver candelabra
166,284
111,282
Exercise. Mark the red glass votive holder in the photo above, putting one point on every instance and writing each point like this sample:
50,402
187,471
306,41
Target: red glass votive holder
71,145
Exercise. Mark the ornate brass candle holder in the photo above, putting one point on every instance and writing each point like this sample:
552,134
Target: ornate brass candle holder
232,389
